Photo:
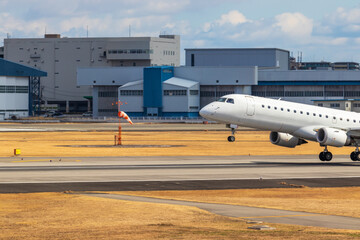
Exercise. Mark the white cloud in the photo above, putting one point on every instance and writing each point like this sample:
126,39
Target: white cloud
10,24
198,43
295,25
347,16
233,17
339,41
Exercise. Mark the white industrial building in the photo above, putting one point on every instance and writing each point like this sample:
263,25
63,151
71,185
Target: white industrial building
61,56
15,85
266,73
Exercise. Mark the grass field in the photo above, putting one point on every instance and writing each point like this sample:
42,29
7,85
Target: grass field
173,143
69,216
330,201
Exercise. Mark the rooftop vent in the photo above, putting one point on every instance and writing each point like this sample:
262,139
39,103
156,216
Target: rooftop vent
52,35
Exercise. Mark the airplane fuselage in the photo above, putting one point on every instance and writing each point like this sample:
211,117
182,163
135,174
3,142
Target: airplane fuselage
300,120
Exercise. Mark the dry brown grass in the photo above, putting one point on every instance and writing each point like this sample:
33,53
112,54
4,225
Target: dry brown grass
67,216
331,201
203,143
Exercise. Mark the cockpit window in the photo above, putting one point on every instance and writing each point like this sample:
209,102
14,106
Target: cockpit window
221,100
230,100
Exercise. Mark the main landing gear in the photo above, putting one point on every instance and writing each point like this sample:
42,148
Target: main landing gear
325,156
233,130
355,155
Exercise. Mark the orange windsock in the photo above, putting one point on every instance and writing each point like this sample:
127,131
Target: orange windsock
122,114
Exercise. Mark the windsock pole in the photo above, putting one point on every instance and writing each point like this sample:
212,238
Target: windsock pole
121,114
119,135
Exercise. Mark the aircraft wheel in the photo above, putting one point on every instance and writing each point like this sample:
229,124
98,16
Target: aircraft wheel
231,139
321,156
328,156
357,156
354,156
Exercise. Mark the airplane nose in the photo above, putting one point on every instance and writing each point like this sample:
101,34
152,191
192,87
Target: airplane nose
204,112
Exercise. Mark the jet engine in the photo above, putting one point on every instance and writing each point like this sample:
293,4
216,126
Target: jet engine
285,140
332,137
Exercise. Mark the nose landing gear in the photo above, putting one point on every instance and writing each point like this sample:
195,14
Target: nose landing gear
325,156
233,130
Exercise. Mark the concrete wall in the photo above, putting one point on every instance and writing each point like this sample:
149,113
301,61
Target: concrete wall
219,75
261,57
114,76
132,103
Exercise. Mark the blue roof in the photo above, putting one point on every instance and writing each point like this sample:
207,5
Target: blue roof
8,68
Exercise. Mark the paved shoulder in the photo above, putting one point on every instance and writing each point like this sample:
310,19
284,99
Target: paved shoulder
254,213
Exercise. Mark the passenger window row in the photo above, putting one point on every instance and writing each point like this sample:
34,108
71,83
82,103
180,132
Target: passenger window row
308,113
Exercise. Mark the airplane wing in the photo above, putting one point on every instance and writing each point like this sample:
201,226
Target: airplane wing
308,132
354,132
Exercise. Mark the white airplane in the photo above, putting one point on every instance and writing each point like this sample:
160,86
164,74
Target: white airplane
291,124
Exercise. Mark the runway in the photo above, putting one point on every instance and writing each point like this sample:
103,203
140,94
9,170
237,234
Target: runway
114,172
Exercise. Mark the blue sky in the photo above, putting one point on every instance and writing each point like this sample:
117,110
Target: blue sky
321,30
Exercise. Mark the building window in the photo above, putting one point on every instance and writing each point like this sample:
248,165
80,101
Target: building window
131,92
314,93
207,94
193,108
107,94
274,94
130,51
294,94
174,92
259,93
334,105
14,89
108,110
334,93
194,92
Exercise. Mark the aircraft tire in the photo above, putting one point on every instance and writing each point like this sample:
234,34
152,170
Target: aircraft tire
357,156
328,156
353,156
321,156
231,139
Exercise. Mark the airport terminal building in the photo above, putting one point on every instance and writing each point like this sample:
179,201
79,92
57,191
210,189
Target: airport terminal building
183,91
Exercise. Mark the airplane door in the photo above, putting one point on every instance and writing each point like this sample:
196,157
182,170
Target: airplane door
250,109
